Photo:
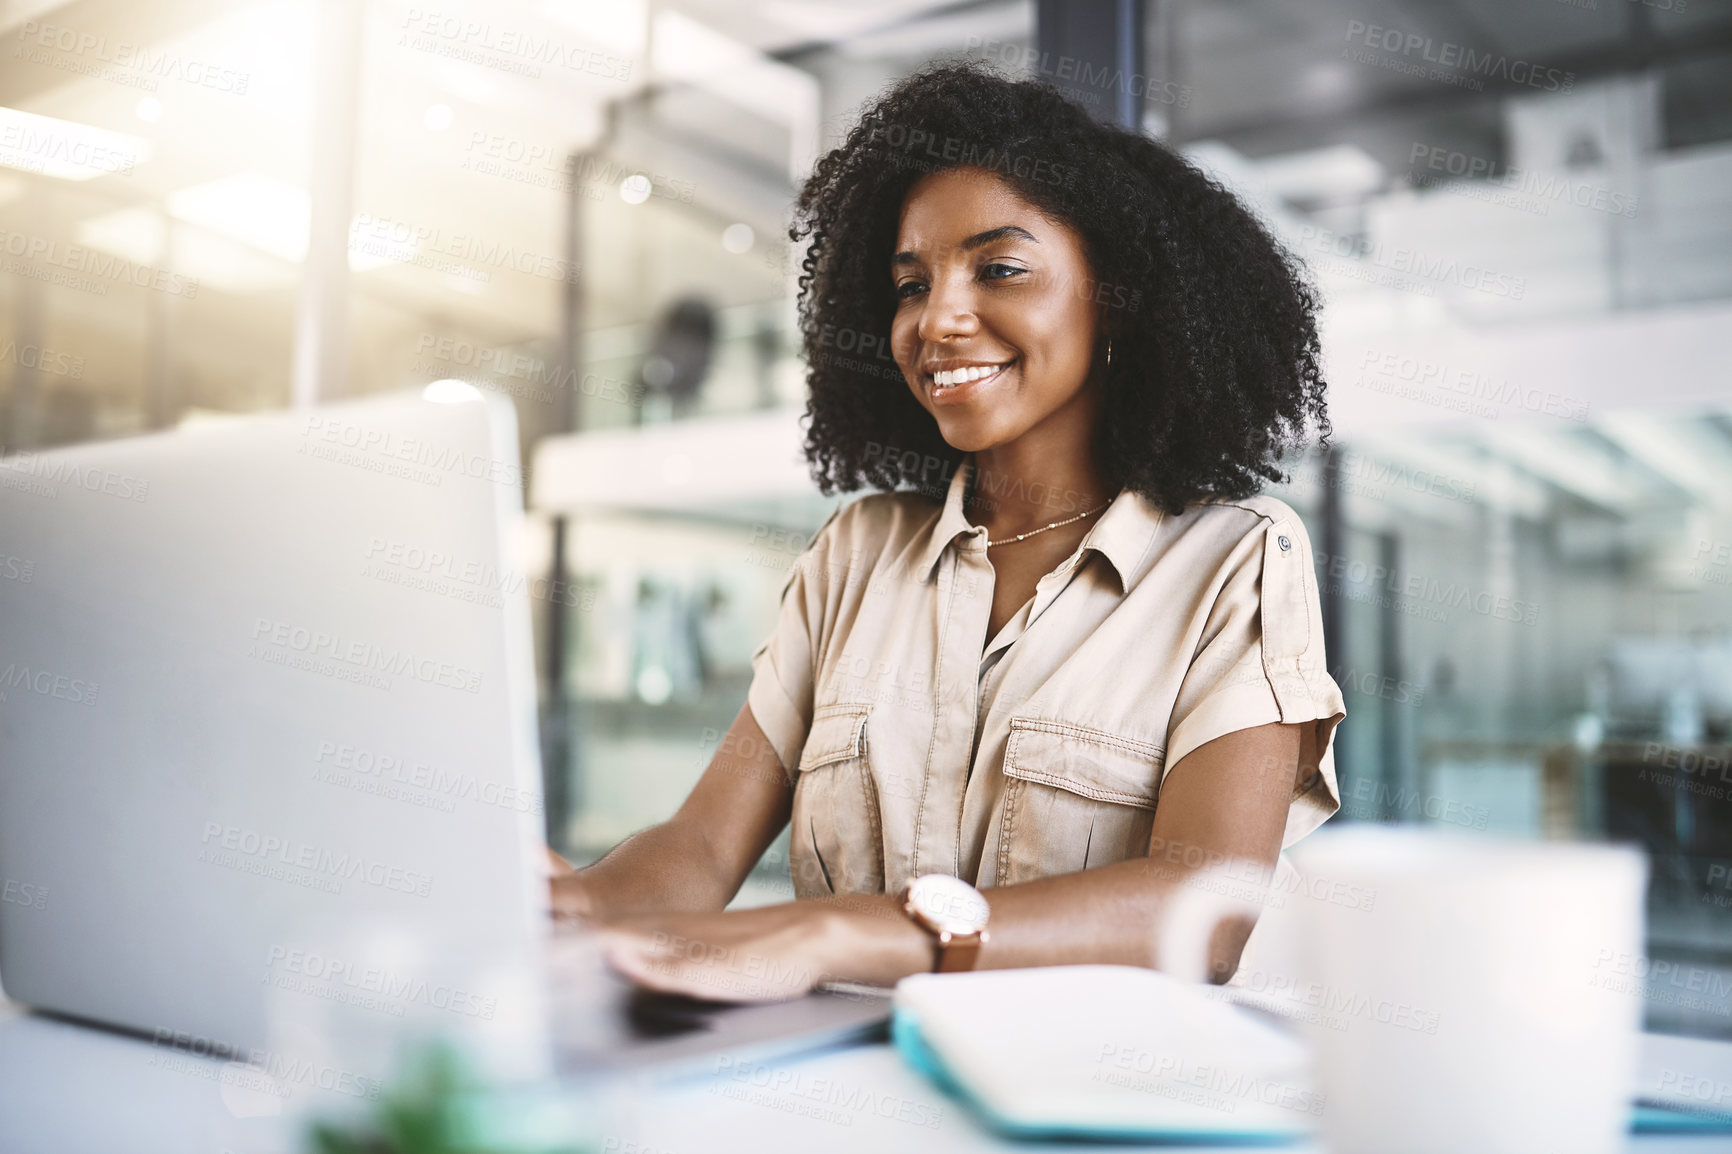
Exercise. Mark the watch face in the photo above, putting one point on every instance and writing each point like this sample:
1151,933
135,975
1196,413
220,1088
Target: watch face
950,904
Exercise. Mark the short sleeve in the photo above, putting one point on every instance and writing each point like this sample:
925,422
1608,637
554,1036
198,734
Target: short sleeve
784,664
1262,662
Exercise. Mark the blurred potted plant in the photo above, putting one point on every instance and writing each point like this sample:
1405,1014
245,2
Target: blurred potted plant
440,1106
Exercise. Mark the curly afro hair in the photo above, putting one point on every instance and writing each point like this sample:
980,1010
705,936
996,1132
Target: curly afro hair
1214,375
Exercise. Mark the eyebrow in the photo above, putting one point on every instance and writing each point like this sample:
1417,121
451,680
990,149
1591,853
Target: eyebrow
974,242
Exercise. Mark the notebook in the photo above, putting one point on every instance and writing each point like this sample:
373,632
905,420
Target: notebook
1118,1052
1128,1054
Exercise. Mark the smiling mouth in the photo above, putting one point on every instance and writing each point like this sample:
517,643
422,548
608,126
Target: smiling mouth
950,378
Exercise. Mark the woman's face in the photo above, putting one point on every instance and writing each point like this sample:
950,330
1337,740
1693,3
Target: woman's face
989,288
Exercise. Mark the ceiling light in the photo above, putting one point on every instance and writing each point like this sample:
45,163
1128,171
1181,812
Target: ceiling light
438,117
149,110
250,207
450,391
635,189
66,149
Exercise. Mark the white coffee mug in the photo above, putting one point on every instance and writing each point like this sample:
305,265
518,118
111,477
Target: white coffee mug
1460,991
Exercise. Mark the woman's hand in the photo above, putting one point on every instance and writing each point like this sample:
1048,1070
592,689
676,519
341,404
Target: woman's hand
771,953
571,903
760,955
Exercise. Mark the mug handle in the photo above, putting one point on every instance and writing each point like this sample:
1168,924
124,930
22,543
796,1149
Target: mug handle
1196,905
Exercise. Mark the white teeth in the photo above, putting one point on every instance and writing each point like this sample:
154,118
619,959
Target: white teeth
950,377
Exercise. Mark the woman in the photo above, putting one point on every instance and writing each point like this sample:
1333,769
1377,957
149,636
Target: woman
1070,360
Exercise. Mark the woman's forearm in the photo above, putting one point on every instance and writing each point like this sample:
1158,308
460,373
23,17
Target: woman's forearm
1225,802
694,862
1111,915
665,868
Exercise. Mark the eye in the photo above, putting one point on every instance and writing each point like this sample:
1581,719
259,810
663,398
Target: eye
908,288
997,271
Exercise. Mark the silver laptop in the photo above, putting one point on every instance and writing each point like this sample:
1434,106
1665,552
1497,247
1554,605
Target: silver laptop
269,782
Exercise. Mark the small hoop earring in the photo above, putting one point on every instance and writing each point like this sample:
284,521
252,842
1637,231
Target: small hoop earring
1109,352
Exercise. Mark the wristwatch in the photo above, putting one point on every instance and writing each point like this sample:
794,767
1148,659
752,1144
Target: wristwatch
954,913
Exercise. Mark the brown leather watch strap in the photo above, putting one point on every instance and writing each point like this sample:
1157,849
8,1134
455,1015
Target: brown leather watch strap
953,952
958,953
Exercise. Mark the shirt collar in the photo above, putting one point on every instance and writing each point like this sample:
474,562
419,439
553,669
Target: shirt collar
1122,534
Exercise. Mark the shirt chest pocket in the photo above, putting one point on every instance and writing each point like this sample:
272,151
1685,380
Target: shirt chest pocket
1074,798
836,837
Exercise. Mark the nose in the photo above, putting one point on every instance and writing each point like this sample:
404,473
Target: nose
948,311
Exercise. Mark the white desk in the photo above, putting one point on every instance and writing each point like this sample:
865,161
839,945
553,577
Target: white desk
67,1089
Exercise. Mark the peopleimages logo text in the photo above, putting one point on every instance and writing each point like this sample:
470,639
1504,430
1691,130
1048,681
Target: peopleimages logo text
387,445
325,865
1458,57
378,766
47,683
364,655
351,977
57,469
101,266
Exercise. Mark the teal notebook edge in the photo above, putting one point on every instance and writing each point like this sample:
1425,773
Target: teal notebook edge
905,1035
1653,1118
1645,1118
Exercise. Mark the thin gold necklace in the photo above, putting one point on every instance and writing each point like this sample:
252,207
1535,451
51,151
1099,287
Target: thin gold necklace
1068,520
968,499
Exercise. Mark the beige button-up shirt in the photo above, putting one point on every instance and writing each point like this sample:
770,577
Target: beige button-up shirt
917,744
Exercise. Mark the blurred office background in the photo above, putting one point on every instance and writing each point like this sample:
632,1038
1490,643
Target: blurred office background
1519,211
